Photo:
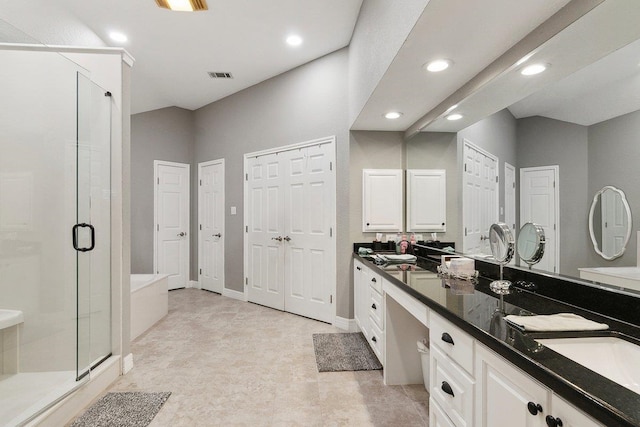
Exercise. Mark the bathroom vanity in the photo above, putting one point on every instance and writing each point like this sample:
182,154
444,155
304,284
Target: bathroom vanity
483,372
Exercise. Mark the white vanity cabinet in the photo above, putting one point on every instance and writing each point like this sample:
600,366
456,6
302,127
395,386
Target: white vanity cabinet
382,200
507,397
369,306
452,387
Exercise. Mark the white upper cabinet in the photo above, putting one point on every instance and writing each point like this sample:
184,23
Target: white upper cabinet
382,200
426,200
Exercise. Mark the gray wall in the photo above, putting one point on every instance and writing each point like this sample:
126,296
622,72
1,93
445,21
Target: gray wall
546,142
438,150
614,156
166,134
382,28
306,103
497,135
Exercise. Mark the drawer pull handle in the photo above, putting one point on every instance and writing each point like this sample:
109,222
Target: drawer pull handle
534,408
374,306
374,280
553,422
447,388
374,339
447,338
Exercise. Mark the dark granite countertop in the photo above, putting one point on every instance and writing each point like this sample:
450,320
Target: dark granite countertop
601,398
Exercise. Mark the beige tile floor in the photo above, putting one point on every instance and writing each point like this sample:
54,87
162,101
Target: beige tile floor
232,363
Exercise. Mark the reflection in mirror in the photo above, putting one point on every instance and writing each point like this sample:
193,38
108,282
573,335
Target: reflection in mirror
502,247
610,222
531,243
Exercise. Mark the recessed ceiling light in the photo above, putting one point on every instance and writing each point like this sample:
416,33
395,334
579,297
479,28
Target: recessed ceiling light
533,69
118,37
438,65
392,115
450,109
183,5
454,116
294,40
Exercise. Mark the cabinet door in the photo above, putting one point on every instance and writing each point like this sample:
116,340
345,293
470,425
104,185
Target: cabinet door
382,200
504,394
426,200
567,415
359,296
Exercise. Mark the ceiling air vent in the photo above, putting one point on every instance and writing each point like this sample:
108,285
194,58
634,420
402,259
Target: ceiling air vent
219,75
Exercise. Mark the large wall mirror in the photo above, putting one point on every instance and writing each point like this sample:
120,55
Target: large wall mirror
554,140
610,222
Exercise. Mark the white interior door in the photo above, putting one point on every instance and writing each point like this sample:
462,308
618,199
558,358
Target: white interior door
308,231
265,231
510,196
614,222
172,222
539,204
211,209
290,216
480,198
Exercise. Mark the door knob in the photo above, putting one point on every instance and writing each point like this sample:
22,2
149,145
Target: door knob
279,238
217,235
182,234
287,238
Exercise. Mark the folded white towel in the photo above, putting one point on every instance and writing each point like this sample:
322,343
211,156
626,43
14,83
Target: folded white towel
555,322
399,258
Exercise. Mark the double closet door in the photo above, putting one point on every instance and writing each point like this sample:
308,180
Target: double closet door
290,230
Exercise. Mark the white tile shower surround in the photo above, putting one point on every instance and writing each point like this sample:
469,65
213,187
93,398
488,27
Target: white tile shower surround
231,363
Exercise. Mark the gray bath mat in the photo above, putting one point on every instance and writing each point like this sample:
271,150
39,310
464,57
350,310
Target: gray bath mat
344,352
127,409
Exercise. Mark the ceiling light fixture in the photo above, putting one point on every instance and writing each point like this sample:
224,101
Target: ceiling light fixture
533,69
183,5
454,116
392,115
450,109
118,37
438,65
294,40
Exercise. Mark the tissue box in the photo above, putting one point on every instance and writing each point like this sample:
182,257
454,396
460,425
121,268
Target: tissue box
462,266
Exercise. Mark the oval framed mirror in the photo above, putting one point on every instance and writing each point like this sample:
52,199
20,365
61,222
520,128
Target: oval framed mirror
610,222
501,242
531,243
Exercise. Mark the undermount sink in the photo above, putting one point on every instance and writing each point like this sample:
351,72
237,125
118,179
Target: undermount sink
613,358
10,318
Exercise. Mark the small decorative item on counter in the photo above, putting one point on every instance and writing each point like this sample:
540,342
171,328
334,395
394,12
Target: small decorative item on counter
404,244
398,240
458,269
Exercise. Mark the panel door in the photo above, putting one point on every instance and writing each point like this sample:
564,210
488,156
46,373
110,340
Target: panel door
308,212
480,198
569,415
382,200
265,231
172,216
614,222
211,225
538,199
426,200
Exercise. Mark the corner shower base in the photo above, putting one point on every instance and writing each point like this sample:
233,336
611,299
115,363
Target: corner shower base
25,394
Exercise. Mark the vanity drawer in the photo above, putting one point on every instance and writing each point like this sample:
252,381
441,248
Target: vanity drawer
374,280
375,341
452,341
452,388
376,310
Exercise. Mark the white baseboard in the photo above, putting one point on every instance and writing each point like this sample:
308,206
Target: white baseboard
233,294
348,325
64,411
127,363
193,284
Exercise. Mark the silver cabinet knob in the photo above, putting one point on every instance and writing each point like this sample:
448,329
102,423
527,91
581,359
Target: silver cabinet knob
287,238
279,238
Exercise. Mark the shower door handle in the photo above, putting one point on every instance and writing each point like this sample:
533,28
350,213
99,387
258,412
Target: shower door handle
75,237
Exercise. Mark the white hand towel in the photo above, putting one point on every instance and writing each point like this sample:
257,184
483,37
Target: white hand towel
555,322
399,258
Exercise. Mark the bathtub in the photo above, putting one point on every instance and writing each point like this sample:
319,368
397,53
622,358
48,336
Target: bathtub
149,301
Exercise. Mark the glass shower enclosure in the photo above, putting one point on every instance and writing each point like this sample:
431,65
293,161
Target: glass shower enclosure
55,238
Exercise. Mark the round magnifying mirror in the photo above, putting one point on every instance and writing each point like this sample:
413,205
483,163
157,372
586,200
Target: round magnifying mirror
502,247
610,222
531,243
501,242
